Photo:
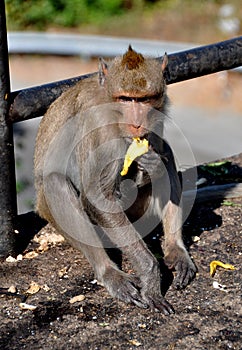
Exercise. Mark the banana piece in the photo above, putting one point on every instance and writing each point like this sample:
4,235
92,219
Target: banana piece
136,149
215,263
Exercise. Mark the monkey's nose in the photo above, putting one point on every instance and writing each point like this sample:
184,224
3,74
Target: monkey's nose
136,130
135,126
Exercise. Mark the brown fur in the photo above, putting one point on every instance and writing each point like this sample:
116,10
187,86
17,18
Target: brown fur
131,59
67,196
134,75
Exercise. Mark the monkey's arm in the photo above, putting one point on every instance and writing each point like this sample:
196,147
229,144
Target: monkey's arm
175,253
122,233
166,189
70,219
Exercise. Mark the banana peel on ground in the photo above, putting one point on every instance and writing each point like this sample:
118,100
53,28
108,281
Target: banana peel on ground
215,263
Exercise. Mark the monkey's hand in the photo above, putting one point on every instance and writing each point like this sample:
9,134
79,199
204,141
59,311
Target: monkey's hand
151,291
157,302
151,163
179,259
143,291
124,287
150,167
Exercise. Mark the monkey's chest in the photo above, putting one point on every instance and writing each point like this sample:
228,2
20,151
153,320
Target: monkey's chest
135,193
135,200
137,188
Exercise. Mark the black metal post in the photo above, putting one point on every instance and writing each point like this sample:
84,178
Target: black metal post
8,206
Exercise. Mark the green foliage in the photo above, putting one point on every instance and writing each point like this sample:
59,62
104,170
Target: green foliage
39,14
217,168
21,186
231,204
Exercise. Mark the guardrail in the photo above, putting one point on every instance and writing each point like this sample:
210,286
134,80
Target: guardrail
86,45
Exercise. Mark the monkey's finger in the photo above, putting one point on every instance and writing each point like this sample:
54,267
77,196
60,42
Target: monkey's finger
136,299
128,292
159,304
189,276
132,296
185,273
149,160
141,304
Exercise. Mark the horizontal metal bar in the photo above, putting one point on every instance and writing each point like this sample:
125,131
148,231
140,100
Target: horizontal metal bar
204,60
33,102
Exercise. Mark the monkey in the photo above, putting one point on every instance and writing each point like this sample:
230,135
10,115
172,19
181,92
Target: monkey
79,152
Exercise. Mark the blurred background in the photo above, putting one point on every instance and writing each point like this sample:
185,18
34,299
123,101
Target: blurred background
207,110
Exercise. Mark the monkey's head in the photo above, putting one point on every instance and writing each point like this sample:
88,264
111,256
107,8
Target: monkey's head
137,83
132,75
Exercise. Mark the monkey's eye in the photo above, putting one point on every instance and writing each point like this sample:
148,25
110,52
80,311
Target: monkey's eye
149,98
142,99
125,99
145,99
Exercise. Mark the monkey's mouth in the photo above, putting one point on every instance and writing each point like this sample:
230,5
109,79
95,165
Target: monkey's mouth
141,135
145,136
136,131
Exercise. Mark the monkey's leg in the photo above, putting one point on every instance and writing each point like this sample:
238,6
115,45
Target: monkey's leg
176,255
123,234
72,221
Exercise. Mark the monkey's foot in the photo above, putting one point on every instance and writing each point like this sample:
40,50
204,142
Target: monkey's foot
123,287
179,259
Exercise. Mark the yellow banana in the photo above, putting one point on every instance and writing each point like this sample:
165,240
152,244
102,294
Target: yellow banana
136,149
215,263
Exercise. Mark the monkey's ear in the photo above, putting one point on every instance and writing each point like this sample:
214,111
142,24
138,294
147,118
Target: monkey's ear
103,71
164,62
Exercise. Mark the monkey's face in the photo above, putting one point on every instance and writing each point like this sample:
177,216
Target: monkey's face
136,85
134,116
137,104
138,118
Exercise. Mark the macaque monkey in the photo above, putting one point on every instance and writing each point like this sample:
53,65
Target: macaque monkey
80,150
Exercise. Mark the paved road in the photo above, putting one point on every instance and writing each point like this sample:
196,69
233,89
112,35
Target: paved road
87,45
